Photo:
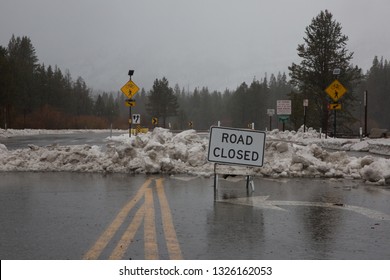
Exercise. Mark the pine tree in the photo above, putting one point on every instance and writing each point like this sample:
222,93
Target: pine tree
23,63
162,102
5,98
99,106
323,50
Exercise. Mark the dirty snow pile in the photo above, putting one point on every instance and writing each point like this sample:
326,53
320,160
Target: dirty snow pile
287,154
376,146
155,152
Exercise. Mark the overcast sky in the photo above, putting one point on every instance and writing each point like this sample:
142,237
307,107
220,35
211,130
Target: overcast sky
195,43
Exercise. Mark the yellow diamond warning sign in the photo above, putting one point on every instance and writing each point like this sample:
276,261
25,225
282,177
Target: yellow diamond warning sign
130,89
335,90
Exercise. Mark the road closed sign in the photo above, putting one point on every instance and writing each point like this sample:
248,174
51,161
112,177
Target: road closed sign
236,146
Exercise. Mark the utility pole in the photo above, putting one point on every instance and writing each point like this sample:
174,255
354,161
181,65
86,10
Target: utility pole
305,104
365,111
131,73
336,73
130,89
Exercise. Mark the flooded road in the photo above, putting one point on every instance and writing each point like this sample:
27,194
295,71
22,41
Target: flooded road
120,216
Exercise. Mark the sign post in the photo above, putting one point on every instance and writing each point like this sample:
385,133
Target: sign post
305,104
335,90
154,121
130,89
270,113
365,112
283,110
136,118
237,147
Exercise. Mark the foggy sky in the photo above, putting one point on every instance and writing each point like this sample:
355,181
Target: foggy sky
214,43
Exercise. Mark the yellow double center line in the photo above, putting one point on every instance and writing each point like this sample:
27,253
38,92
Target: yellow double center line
145,213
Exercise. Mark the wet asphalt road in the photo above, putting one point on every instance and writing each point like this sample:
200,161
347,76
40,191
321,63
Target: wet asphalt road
97,216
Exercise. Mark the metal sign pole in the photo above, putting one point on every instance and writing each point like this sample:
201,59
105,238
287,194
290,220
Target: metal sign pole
334,125
130,89
215,182
130,121
216,176
131,72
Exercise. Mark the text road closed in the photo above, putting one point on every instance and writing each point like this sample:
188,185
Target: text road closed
236,146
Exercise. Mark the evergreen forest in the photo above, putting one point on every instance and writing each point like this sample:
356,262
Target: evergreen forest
35,95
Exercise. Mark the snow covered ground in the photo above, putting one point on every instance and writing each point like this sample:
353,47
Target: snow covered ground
287,154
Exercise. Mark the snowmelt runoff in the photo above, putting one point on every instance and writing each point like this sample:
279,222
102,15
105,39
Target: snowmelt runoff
287,154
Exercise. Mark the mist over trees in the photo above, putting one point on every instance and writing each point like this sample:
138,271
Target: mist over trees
34,95
239,108
162,102
377,84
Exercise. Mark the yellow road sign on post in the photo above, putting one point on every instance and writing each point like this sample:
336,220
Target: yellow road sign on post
335,90
130,89
130,103
155,121
334,106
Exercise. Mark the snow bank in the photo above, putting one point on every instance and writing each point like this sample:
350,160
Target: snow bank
160,151
311,136
155,152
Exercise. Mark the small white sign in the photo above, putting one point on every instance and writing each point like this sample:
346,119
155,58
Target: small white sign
283,107
236,146
136,118
270,112
305,102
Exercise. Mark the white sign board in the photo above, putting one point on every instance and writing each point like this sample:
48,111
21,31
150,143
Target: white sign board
283,107
270,112
236,146
136,118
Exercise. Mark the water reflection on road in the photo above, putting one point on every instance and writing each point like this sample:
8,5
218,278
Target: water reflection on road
61,215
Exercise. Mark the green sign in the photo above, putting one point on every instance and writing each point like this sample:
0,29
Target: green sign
283,118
